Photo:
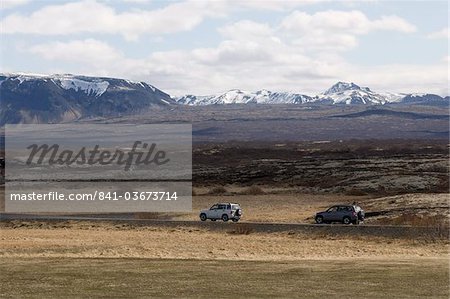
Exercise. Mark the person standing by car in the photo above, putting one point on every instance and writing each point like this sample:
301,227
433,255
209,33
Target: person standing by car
359,211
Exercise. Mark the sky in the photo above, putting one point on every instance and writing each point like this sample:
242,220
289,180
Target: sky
208,47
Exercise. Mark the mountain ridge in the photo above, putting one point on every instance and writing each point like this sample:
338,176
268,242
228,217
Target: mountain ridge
339,93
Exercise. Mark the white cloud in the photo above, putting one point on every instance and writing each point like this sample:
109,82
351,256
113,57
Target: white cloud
443,33
336,30
235,65
403,78
275,5
94,17
393,23
302,53
245,29
344,21
89,51
137,1
6,4
354,22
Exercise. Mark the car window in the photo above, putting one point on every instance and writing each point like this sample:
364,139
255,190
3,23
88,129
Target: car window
228,207
343,209
214,207
332,209
221,207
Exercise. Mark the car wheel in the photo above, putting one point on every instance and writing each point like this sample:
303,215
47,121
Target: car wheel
235,220
203,217
346,220
319,219
225,217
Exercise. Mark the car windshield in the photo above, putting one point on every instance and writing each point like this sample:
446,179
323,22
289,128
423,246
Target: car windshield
214,207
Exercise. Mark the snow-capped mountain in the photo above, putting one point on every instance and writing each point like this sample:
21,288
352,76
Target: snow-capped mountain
237,96
27,98
339,93
350,93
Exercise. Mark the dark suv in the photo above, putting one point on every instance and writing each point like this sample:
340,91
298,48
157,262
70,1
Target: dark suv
341,213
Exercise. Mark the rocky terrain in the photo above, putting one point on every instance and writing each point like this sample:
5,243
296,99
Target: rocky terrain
352,167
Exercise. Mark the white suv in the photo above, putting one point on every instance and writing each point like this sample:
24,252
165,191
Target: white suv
224,211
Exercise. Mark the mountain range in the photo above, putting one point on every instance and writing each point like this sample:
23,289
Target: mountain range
26,98
339,93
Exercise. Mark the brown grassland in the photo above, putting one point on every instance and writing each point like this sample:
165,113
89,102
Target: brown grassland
83,259
396,182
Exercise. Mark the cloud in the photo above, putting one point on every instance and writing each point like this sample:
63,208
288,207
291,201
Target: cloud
94,17
354,22
246,29
443,33
89,51
6,4
274,65
403,78
303,52
137,1
393,23
335,30
274,5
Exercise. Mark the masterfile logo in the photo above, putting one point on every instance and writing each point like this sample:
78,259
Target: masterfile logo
55,155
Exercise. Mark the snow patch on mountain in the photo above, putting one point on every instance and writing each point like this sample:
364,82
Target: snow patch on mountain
341,87
96,87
